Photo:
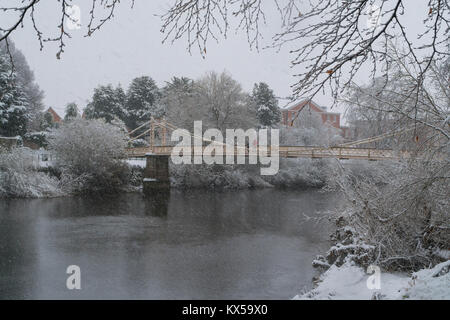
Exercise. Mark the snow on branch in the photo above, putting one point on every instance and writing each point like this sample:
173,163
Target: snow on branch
333,40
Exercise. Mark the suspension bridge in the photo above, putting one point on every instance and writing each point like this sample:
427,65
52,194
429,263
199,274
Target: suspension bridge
348,150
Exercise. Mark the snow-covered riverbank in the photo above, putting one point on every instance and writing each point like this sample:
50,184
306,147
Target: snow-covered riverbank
350,282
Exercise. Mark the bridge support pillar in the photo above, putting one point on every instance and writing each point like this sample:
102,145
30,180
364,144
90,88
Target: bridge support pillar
156,174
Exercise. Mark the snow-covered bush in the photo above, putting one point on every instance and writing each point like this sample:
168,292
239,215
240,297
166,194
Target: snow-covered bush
136,175
38,138
216,176
19,178
301,173
89,155
403,210
400,211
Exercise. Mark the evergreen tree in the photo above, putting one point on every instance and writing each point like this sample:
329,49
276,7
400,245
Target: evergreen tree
266,104
177,97
25,79
71,111
13,104
121,101
107,103
181,85
143,102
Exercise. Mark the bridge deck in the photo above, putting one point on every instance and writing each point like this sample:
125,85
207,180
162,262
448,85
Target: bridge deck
295,152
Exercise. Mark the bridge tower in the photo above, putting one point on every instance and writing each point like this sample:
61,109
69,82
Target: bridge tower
156,173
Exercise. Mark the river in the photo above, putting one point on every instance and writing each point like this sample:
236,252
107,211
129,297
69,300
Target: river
251,244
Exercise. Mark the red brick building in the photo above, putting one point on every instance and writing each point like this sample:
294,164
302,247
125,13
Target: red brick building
292,112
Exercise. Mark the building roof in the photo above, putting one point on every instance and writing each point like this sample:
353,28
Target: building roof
299,105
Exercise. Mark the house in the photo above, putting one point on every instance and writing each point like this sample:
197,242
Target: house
55,117
333,119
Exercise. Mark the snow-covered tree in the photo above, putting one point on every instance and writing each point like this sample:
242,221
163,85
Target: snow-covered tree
266,105
13,103
221,103
216,99
178,98
142,102
26,81
366,114
180,84
71,111
107,103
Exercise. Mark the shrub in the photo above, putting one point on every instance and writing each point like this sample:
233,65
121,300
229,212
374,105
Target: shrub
312,173
400,211
18,177
38,138
216,176
90,156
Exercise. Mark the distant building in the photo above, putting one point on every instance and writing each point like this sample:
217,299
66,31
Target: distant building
55,116
333,119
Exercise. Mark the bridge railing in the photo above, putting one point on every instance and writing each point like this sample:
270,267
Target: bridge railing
292,152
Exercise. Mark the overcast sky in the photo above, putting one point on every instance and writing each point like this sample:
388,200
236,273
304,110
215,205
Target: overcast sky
130,46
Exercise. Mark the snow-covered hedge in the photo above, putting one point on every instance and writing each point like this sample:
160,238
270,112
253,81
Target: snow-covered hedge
19,178
38,138
216,176
293,173
302,173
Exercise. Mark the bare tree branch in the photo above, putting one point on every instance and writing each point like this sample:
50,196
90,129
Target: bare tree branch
333,43
28,10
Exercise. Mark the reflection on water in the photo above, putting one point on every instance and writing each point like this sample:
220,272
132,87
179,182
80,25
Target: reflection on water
197,245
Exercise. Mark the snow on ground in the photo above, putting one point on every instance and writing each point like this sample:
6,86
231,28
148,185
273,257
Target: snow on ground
350,282
429,284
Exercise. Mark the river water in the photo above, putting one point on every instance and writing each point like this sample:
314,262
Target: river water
252,244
